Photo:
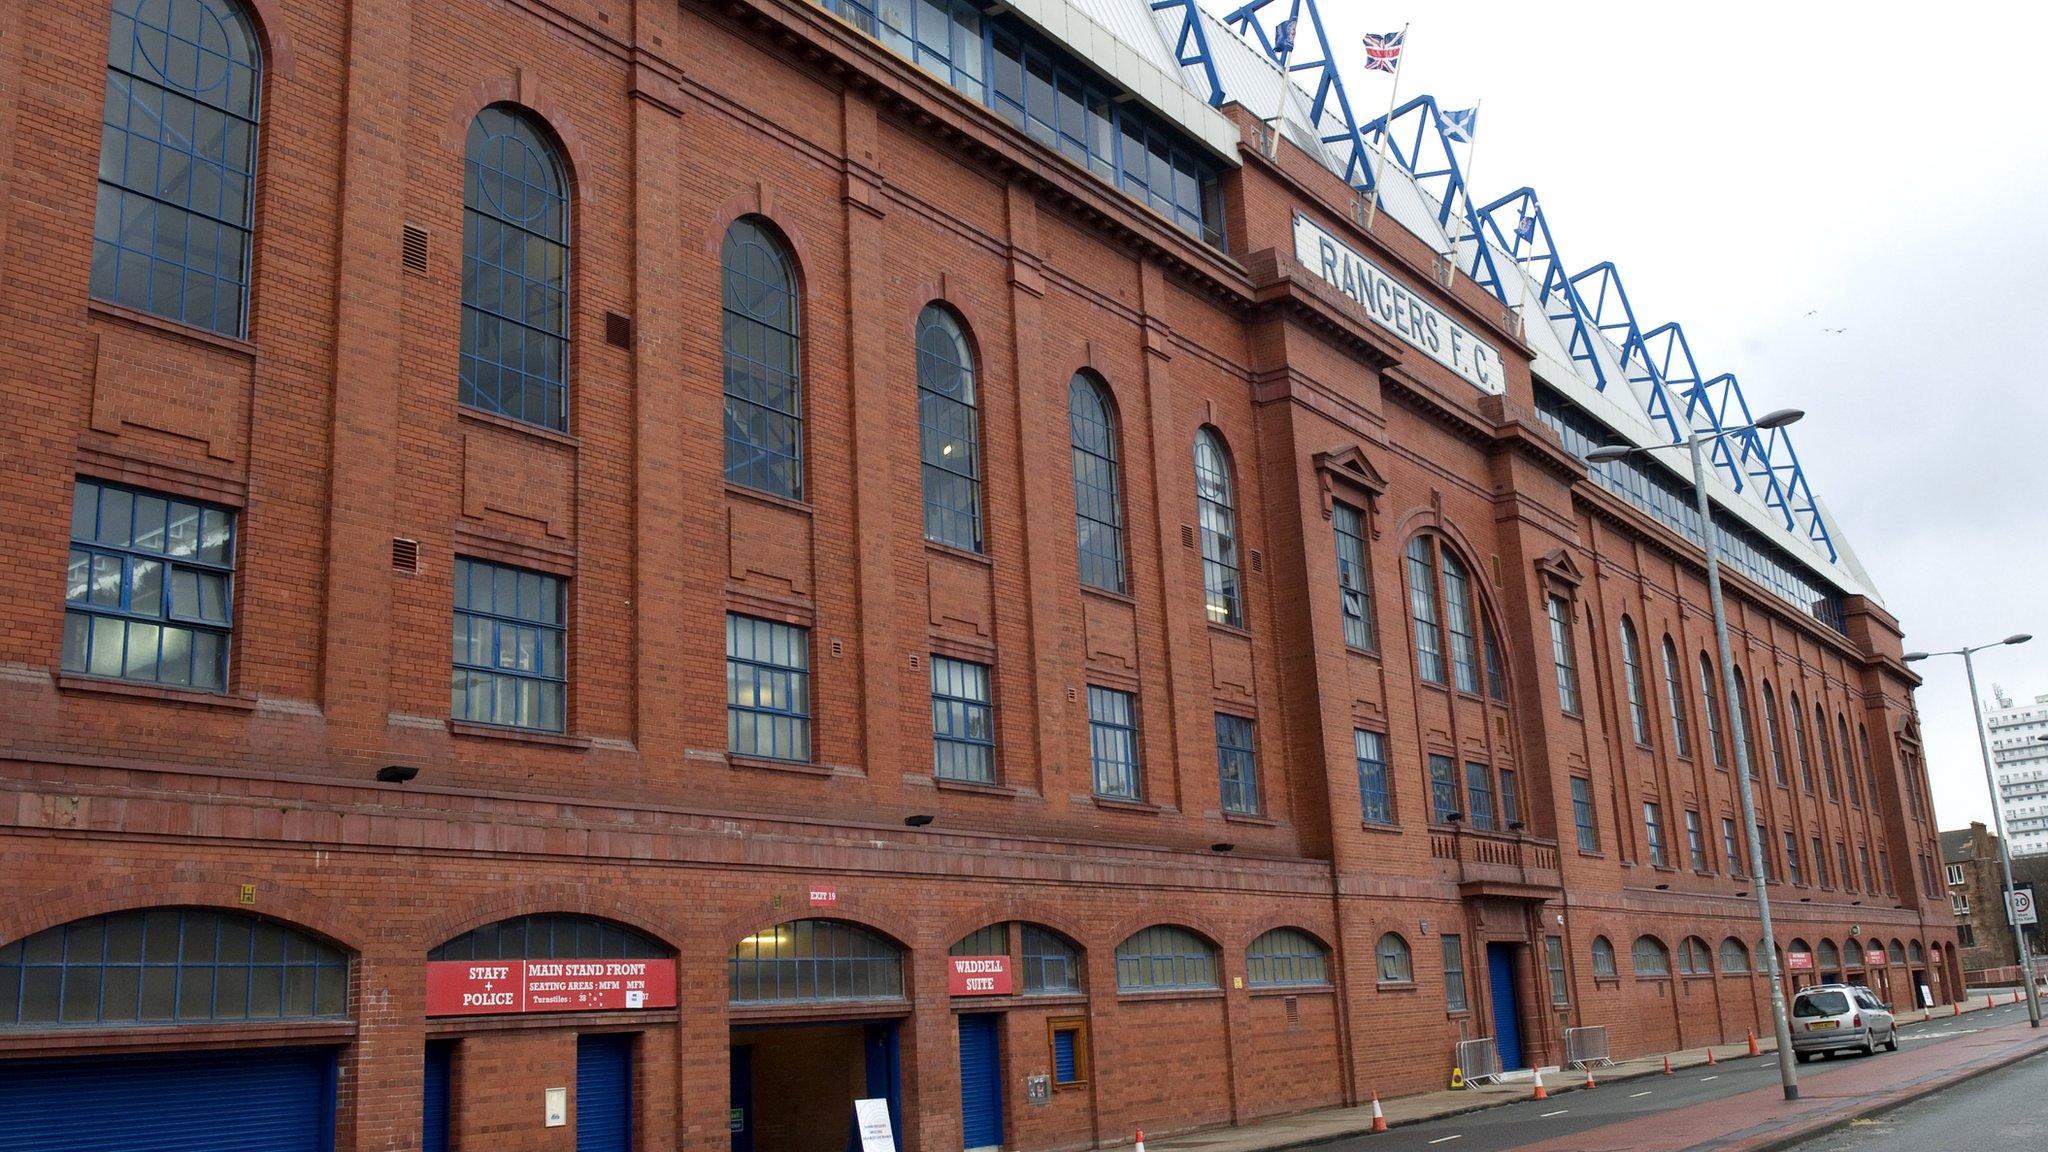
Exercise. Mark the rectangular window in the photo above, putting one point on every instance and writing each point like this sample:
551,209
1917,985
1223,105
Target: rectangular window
1510,799
767,688
1731,848
1553,957
511,641
1354,585
1069,1039
1955,874
963,727
149,589
1113,742
1561,654
1582,814
1653,831
1695,843
1843,873
1454,973
1479,796
1863,859
1373,799
1792,859
1884,870
1763,843
1237,764
1443,788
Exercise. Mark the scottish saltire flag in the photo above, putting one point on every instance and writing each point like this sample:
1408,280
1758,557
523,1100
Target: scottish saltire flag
1383,53
1460,125
1525,228
1283,36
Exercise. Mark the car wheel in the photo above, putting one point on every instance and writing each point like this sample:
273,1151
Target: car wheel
1804,1057
1870,1044
1892,1045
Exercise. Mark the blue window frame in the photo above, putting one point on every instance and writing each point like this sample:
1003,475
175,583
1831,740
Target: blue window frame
149,590
1674,699
1458,619
1113,743
950,435
511,647
768,688
1216,507
764,445
1164,958
1479,796
1710,706
1561,655
1237,764
1510,799
1582,814
178,162
1454,973
1354,581
1632,670
515,270
1443,789
814,961
1068,1045
170,965
1286,957
1052,963
963,724
1429,644
1098,491
1496,675
551,936
1374,800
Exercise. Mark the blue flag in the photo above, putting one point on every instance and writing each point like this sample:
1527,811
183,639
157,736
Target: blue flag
1525,228
1283,36
1460,125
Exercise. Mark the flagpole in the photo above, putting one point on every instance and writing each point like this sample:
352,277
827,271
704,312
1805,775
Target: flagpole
1372,209
1280,105
1465,185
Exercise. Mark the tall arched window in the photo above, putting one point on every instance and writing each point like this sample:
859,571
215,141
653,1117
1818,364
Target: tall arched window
1098,486
1710,705
1734,955
1217,509
1458,619
515,270
764,414
1777,737
1827,753
1674,698
1429,644
1848,760
950,430
1396,963
1603,958
1738,718
1651,957
1632,672
178,162
1799,745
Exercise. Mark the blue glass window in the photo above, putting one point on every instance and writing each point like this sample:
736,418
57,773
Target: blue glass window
1710,704
1098,496
768,688
950,434
1827,752
1163,957
515,271
1216,507
815,960
1510,799
168,966
1479,796
149,590
1458,618
1052,963
551,936
1376,803
1443,789
1429,644
511,641
1799,744
1113,743
1496,675
1674,698
1582,814
1561,654
764,446
1237,764
1454,973
1286,957
178,162
1354,581
1632,672
963,725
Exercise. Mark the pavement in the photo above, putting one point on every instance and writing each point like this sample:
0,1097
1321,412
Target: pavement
1999,1110
1734,1106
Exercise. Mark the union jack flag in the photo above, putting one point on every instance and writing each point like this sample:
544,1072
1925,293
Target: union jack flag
1383,53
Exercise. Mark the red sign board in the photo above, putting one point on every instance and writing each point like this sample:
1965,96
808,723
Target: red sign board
979,976
509,987
824,896
1799,961
1874,957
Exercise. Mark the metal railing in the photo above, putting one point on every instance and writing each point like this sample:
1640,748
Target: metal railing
1584,1046
1480,1059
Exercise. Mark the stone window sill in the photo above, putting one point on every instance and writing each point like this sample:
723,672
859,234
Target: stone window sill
68,682
517,735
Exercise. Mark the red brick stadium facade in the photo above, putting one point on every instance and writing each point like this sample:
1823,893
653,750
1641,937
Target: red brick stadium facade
330,432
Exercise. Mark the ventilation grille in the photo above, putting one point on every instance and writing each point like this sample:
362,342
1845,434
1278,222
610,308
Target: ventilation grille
838,647
1293,1010
618,330
1187,536
916,662
1073,695
1258,560
405,555
415,248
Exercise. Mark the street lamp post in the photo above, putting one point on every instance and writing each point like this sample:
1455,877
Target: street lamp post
2019,934
1696,443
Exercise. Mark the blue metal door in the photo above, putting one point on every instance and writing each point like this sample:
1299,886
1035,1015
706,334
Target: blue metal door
1507,1014
434,1096
741,1119
604,1093
276,1099
981,1081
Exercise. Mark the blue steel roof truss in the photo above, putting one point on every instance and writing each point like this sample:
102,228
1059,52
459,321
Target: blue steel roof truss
1191,43
1416,140
1311,55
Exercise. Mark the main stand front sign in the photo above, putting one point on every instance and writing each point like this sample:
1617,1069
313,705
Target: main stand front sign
510,987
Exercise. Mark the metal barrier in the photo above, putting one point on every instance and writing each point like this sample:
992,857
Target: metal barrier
1480,1058
1584,1046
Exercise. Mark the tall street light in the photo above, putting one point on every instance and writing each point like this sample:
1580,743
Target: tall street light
1696,444
2019,934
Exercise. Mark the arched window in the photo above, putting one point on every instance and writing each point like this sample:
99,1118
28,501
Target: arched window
1694,959
1650,957
1164,957
1869,762
1734,956
764,413
1799,745
949,421
1457,612
515,270
1051,962
1429,645
170,965
1830,959
1458,619
1496,672
551,936
1710,704
814,961
1217,511
1603,958
1797,948
178,162
1849,773
1852,954
1674,698
1397,963
1286,957
1776,735
1098,486
1632,672
1915,954
1827,752
1738,717
1897,954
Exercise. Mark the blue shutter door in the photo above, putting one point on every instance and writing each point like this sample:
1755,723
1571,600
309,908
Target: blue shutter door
981,1082
1064,1068
434,1096
261,1100
604,1093
1507,1016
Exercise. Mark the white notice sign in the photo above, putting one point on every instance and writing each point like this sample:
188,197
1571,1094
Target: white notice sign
872,1116
1392,306
2019,905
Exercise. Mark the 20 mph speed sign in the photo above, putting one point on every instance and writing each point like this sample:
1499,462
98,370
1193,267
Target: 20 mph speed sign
2019,905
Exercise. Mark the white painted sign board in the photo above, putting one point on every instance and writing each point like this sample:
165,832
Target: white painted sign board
2019,906
557,1107
872,1116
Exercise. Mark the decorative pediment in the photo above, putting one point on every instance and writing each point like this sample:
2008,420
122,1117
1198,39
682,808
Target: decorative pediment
1558,566
1349,470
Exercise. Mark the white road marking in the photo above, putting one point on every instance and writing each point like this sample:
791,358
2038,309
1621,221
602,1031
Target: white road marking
1548,1115
1633,1095
1715,1076
1444,1139
1771,1064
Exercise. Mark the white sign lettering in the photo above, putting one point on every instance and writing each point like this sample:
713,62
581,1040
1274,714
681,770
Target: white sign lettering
872,1116
1393,306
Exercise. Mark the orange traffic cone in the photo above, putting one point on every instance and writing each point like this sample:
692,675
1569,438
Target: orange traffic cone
1710,1056
1667,1065
1379,1118
1141,1140
1590,1082
1958,1006
1541,1093
1752,1042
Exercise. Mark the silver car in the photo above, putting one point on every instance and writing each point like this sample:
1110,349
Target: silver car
1841,1018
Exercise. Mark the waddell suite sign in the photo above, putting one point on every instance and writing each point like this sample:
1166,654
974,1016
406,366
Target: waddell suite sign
500,987
1392,306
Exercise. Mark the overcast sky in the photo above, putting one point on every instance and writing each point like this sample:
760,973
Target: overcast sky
1745,164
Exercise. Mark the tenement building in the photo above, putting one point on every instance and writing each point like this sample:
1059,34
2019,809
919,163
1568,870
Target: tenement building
587,574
